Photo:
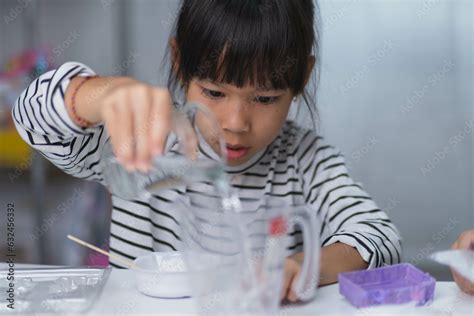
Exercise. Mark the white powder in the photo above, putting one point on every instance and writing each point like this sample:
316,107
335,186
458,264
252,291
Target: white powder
173,264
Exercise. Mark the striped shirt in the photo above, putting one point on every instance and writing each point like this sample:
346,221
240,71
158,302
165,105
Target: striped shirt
298,167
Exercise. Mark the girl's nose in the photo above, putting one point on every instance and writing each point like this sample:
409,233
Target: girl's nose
236,118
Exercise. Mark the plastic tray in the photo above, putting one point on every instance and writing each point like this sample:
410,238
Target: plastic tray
397,284
58,290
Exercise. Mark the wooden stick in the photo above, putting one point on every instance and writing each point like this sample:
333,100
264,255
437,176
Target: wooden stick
128,262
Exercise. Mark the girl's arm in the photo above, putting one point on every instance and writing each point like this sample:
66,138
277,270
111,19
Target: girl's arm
136,115
42,121
335,258
50,115
355,233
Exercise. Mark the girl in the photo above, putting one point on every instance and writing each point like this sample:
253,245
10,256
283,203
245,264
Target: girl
247,60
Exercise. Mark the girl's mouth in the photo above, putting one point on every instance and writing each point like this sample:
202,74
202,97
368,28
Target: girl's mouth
236,151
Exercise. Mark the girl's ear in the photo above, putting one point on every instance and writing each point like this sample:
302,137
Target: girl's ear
309,70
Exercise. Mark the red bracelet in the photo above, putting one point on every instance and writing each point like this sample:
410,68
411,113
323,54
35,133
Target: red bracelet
82,122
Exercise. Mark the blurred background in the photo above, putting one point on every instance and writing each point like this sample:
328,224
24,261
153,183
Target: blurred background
396,95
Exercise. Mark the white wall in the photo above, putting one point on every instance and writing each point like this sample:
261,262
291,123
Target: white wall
83,30
396,92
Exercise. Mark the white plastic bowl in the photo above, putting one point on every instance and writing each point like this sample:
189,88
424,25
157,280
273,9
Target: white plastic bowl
162,274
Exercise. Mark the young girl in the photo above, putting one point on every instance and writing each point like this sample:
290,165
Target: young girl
247,60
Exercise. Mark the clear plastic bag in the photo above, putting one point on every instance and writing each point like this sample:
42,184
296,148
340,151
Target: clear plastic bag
460,260
174,167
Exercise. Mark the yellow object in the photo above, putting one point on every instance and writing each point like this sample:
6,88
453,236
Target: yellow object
14,152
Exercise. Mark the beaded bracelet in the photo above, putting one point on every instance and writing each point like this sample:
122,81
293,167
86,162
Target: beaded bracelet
82,122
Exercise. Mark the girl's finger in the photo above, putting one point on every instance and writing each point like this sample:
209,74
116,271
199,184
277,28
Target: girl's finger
141,125
464,284
286,284
292,297
455,245
465,240
124,132
160,120
109,118
287,279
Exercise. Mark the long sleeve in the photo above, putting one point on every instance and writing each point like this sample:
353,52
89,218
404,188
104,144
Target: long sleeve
42,121
346,212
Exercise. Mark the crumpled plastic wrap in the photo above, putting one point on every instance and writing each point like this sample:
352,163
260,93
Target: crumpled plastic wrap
460,260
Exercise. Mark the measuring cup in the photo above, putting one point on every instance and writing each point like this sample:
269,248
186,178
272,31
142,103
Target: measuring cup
179,164
247,249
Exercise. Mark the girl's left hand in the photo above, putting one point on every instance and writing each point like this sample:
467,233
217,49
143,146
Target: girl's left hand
335,258
291,274
466,242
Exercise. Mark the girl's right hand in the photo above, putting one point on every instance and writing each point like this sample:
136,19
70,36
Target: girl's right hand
136,115
138,118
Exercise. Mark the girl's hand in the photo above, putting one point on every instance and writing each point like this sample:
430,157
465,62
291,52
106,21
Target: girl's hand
136,115
335,258
466,242
291,273
138,119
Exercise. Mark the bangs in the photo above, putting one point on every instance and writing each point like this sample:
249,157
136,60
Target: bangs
262,43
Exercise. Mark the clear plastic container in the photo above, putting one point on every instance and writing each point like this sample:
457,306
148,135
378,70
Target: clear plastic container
246,249
397,284
59,290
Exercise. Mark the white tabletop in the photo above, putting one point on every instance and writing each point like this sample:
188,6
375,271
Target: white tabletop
120,297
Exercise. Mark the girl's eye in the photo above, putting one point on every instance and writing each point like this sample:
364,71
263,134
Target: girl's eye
266,100
212,93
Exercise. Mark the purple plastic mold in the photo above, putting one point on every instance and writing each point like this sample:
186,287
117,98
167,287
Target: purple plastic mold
397,284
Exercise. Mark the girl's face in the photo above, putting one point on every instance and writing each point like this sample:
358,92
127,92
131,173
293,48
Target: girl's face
249,117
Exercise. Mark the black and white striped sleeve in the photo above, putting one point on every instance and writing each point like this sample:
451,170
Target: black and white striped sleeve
41,119
346,212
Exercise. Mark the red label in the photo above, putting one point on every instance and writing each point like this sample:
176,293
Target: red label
278,226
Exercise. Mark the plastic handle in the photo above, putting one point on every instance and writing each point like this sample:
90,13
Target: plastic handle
307,282
190,111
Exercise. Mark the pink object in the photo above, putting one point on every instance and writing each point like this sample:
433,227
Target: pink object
27,62
98,260
397,284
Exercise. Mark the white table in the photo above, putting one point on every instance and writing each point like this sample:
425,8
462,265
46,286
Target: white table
120,297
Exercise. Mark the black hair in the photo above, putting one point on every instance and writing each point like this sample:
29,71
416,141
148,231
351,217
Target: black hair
265,43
